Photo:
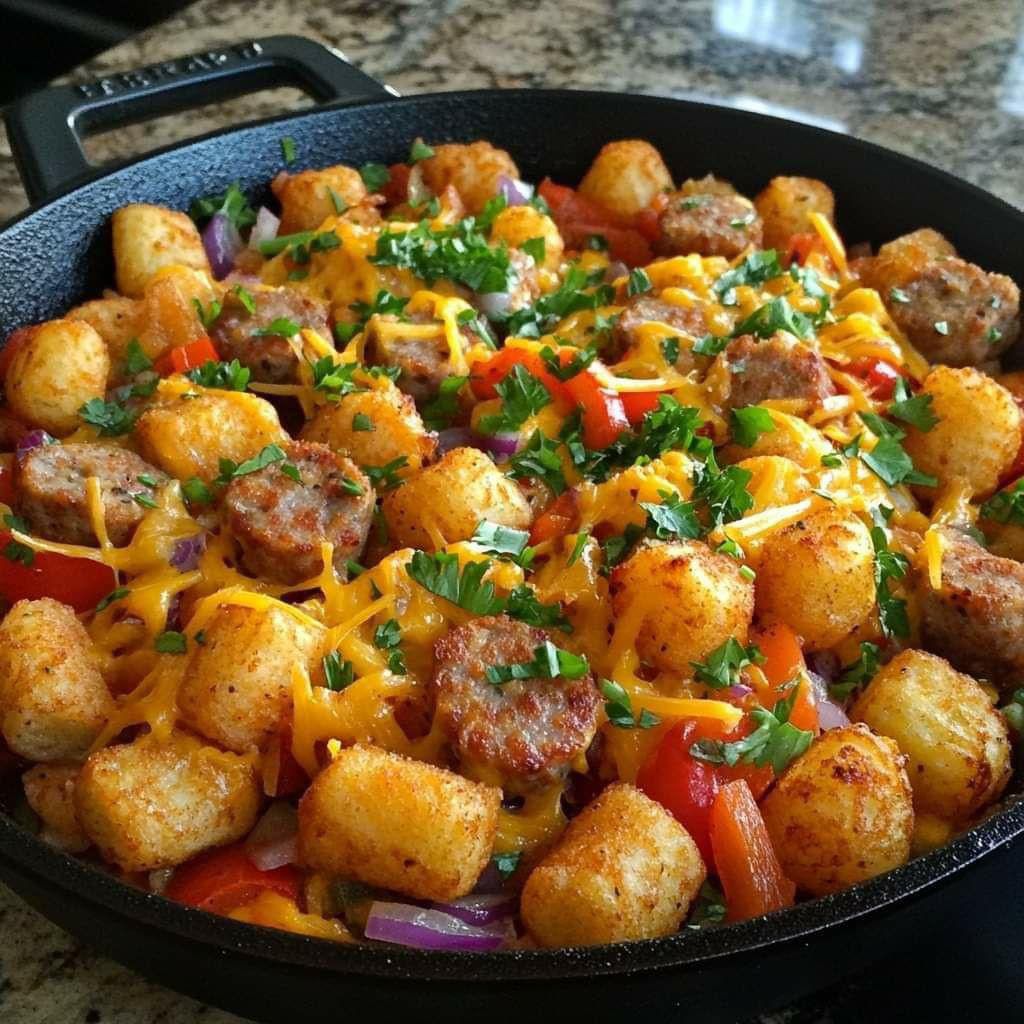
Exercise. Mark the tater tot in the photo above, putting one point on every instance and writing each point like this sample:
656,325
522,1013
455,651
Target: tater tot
117,321
626,176
398,431
692,600
957,744
450,498
785,205
187,437
518,224
57,367
155,803
473,169
817,575
964,445
396,823
53,700
308,198
148,238
624,869
842,812
50,792
237,689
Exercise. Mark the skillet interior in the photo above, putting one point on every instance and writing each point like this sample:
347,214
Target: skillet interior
58,254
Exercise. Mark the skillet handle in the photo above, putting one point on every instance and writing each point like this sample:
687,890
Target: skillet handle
45,128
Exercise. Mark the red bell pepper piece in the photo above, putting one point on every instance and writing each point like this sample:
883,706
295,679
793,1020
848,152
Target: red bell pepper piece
187,357
879,375
222,880
784,661
604,416
487,373
802,245
639,403
559,518
745,860
79,582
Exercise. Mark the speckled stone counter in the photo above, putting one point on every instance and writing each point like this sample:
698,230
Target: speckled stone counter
943,81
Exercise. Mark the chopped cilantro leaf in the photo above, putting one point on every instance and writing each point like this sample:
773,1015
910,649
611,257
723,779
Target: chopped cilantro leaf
549,662
857,674
775,315
536,249
749,423
539,460
135,360
419,150
672,518
385,477
288,149
171,642
111,419
265,457
619,708
439,413
670,350
725,662
375,176
638,282
282,327
522,395
709,345
225,376
439,573
361,423
245,298
115,595
232,203
338,674
1006,506
913,409
889,566
757,268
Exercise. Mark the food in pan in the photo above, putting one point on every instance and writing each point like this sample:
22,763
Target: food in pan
445,561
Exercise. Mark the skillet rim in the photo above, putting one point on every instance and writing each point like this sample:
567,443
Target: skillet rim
24,853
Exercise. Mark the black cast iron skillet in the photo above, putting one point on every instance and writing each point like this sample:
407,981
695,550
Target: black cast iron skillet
58,254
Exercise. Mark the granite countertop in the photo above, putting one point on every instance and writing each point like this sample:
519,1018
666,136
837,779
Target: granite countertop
943,81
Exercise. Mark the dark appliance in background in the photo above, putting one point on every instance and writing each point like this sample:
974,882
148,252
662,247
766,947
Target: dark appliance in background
46,38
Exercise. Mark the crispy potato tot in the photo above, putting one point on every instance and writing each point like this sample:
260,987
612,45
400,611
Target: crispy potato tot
785,205
148,238
963,444
450,498
53,700
626,176
396,823
169,309
841,813
56,369
792,438
155,803
624,869
50,792
472,168
237,688
918,246
518,224
117,321
692,600
957,744
306,199
398,432
188,437
817,575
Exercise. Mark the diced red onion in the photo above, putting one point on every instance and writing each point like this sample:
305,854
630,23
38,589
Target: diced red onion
482,908
516,192
830,714
274,842
740,689
185,553
458,437
493,304
501,445
615,270
33,439
265,228
424,928
222,243
825,664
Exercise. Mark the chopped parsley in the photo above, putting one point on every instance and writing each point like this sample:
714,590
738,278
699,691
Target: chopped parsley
507,863
231,470
334,379
580,360
709,345
440,411
288,149
672,518
196,492
115,595
419,150
339,204
577,548
709,909
549,662
617,549
638,282
725,662
1013,712
670,350
300,245
15,551
757,268
548,310
522,396
536,249
889,566
171,642
385,477
775,315
384,303
135,360
387,637
225,376
338,674
749,423
362,424
619,708
375,176
439,573
993,335
888,460
913,409
281,327
245,297
496,539
941,327
232,203
775,740
524,605
109,418
1006,506
898,295
723,491
539,460
856,674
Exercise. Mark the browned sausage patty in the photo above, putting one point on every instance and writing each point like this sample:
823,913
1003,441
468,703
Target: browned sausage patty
50,491
976,619
280,522
957,313
268,356
709,224
424,362
774,368
642,309
525,732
